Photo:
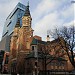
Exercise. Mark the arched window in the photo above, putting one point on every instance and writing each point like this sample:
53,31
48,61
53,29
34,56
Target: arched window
32,47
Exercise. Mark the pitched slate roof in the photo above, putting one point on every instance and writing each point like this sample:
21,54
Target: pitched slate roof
41,42
35,42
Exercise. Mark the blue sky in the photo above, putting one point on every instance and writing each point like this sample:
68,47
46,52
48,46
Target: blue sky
46,14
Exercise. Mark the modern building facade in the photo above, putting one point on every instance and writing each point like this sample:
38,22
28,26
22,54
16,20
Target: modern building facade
10,23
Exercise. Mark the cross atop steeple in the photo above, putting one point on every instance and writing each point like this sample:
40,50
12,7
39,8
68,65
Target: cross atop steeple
27,11
28,3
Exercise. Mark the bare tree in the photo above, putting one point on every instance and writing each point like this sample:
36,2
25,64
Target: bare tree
68,34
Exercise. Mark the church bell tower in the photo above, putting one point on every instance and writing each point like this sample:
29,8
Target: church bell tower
26,19
26,27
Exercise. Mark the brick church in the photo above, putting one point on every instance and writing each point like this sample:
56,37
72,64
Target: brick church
30,55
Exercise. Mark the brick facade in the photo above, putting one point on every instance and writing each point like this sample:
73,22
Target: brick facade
30,53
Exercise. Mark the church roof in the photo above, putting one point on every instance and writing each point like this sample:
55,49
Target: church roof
18,23
27,11
35,42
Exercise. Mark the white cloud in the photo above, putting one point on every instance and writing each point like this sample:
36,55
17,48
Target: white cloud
43,7
50,14
47,6
49,21
67,12
71,23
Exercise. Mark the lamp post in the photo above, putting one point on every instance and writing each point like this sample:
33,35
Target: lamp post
36,68
36,56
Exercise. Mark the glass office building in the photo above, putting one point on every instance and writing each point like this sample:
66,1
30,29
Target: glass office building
10,23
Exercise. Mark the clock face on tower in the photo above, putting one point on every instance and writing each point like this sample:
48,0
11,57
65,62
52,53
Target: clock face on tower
26,21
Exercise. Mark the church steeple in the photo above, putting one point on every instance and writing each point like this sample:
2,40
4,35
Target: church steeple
26,19
27,11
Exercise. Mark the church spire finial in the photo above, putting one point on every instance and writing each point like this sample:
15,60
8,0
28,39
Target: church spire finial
28,3
27,11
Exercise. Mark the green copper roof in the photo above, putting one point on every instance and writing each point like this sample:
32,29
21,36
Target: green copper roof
35,42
